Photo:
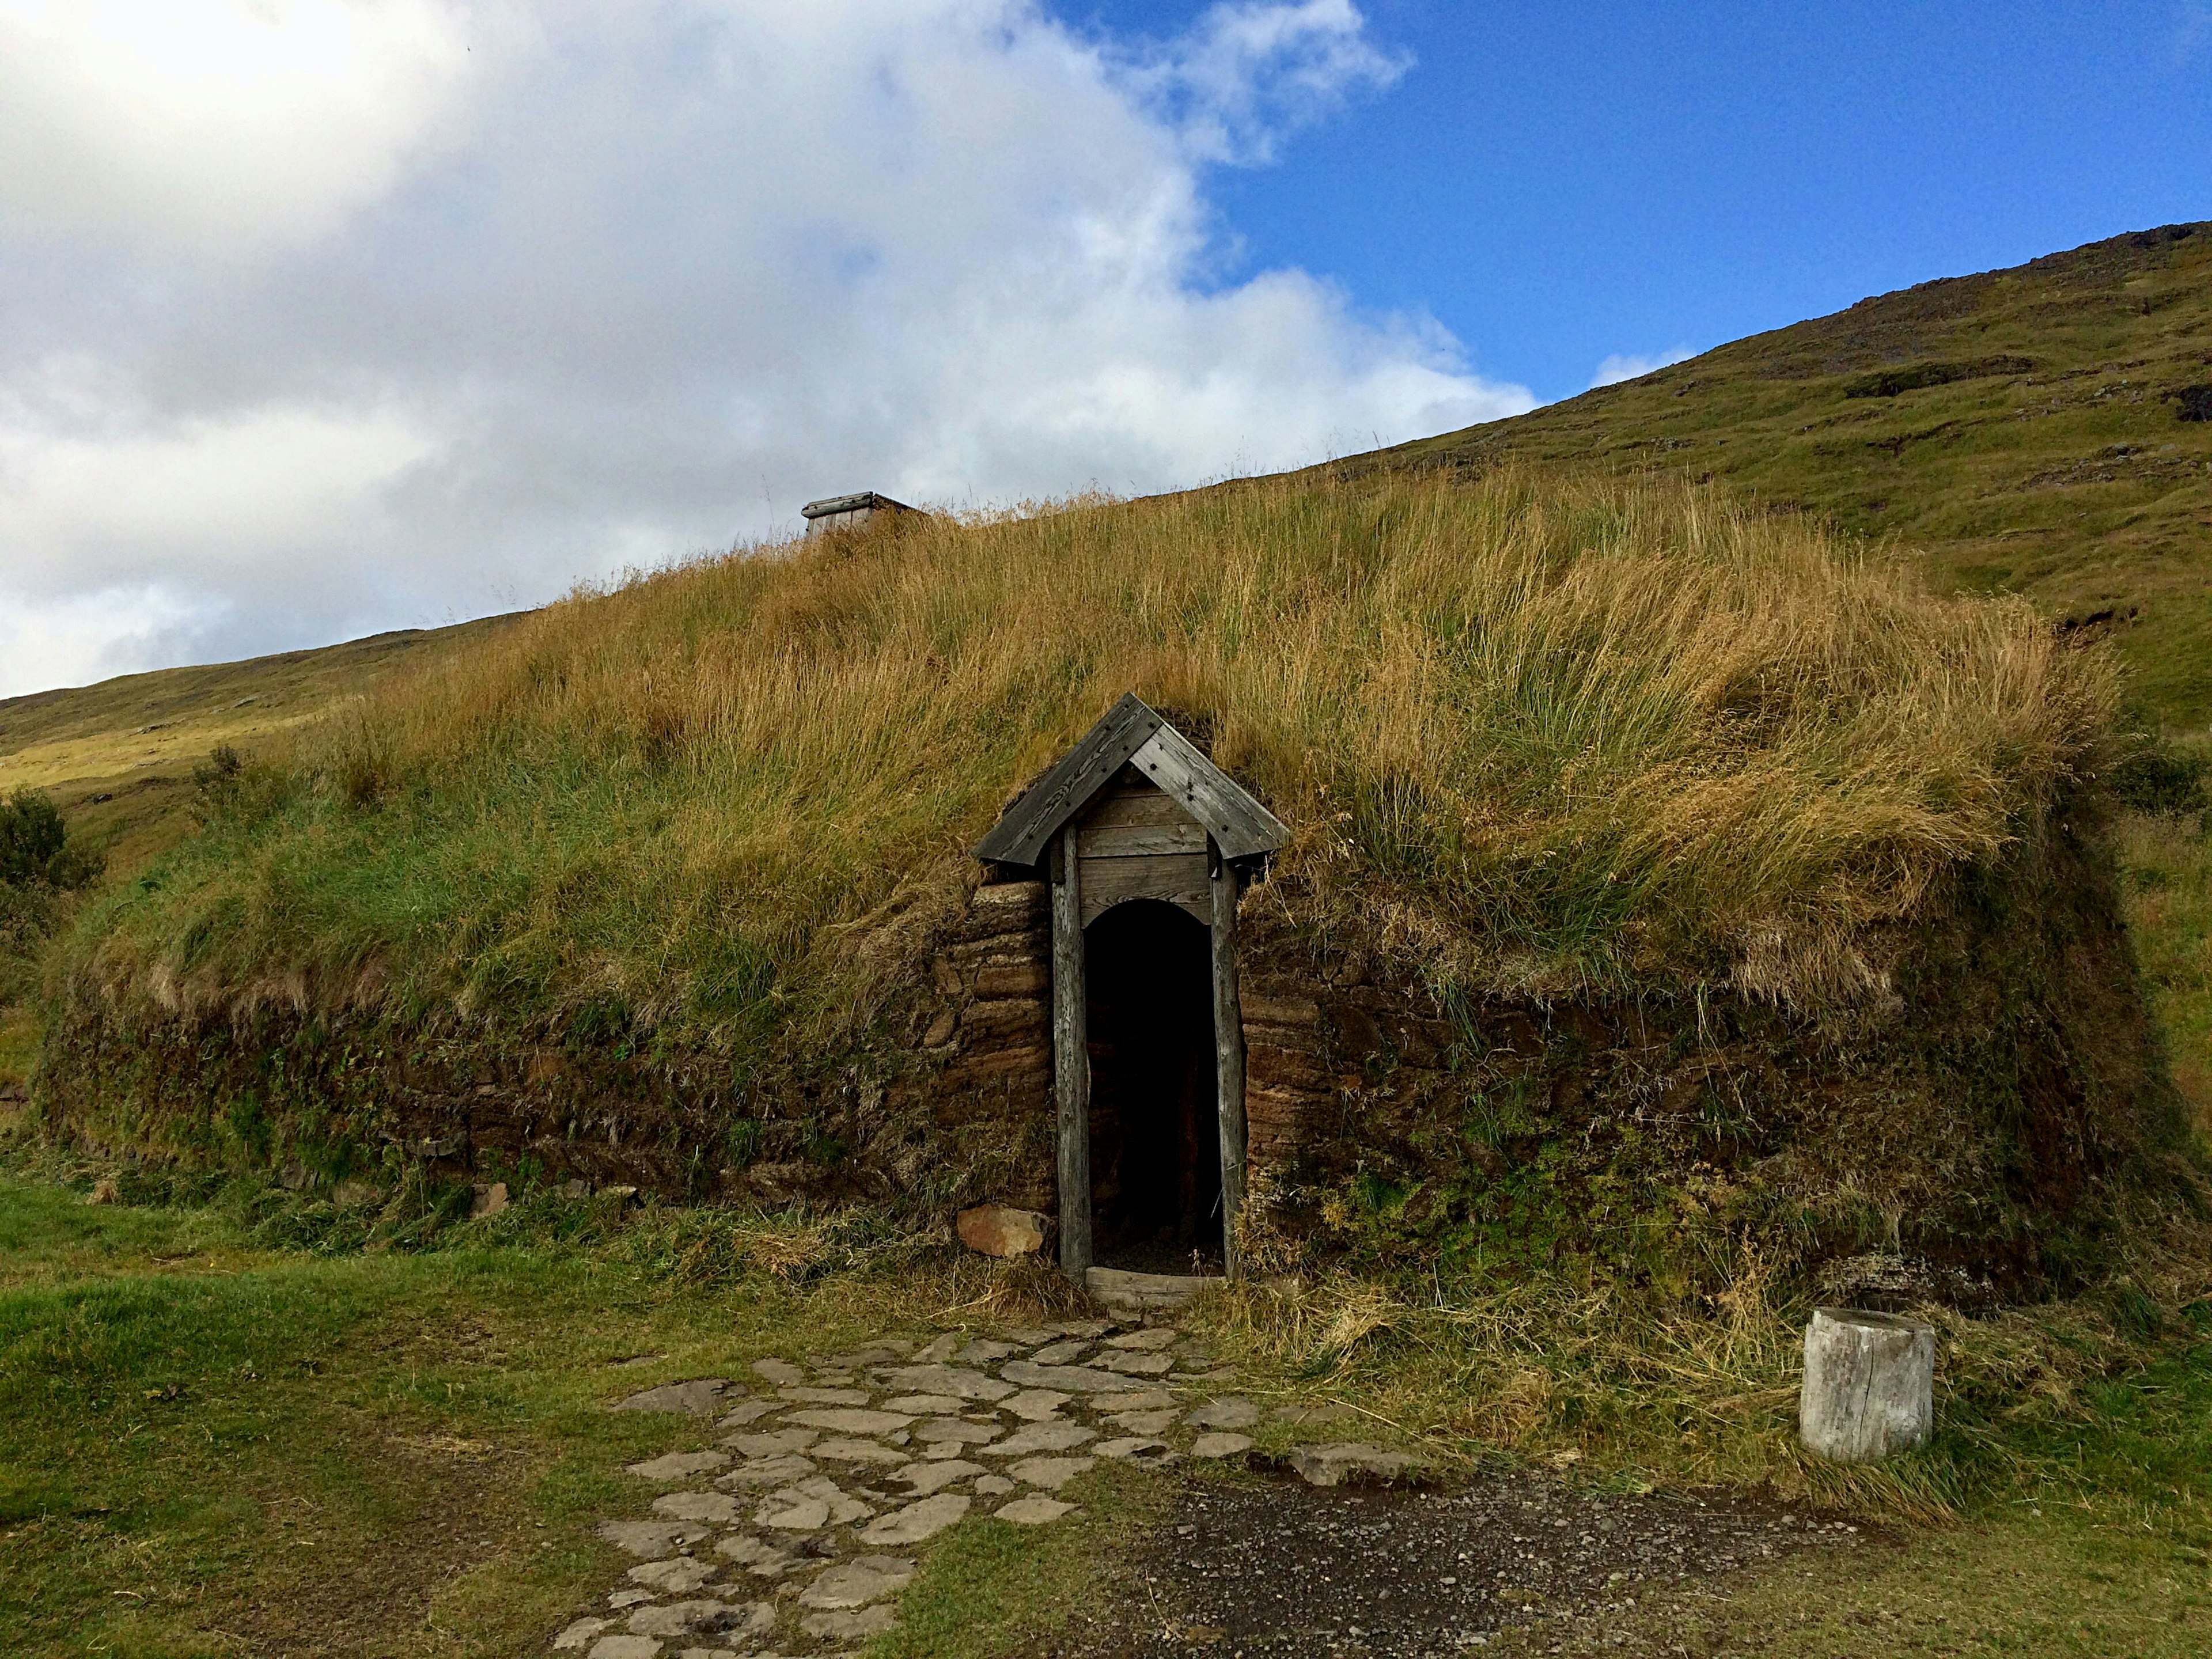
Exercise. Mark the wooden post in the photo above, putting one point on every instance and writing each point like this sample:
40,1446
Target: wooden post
1070,1056
1228,1053
1870,1384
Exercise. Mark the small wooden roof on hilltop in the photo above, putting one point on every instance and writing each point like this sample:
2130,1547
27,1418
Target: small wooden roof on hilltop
1133,733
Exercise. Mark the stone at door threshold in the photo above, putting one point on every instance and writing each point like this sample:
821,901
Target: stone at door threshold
1127,1294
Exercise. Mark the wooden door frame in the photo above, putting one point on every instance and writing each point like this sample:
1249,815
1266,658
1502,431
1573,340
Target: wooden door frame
1071,1053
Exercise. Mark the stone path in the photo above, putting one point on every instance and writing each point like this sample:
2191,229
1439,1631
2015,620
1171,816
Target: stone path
791,1535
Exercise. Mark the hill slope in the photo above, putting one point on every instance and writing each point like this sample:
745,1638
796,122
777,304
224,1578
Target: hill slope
118,756
2022,430
1667,837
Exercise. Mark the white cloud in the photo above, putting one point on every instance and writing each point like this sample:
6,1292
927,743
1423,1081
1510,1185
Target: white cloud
1250,70
214,124
1617,368
660,275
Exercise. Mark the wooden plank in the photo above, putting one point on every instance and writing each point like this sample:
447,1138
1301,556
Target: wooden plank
1070,1056
1138,804
1130,840
1228,1057
1238,824
1027,828
1178,878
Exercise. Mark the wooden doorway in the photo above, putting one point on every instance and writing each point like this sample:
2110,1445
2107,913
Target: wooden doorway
1155,1122
1135,814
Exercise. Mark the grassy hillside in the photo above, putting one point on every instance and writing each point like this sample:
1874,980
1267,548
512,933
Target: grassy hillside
2019,431
1539,734
665,870
118,756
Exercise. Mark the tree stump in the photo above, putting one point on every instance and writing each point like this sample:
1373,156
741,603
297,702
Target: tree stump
1869,1385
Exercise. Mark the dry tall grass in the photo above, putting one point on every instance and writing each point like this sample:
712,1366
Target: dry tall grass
1536,733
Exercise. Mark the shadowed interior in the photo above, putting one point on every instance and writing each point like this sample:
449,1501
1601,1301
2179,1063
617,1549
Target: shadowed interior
1155,1139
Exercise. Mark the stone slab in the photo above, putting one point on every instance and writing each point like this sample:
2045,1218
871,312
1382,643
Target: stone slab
926,1405
851,1419
845,1449
1035,1438
957,1380
1149,1340
680,1576
650,1540
748,1411
703,1618
1136,1449
679,1465
857,1582
1033,1510
701,1397
1144,1422
1220,1444
1051,1473
923,1479
782,1372
849,1626
924,1518
1336,1462
778,1470
1229,1414
715,1508
933,1430
1034,1405
1071,1379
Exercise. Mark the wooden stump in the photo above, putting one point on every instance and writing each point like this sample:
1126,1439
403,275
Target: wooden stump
1869,1385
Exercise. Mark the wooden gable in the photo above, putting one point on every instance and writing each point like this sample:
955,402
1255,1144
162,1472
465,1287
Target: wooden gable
1132,735
1134,840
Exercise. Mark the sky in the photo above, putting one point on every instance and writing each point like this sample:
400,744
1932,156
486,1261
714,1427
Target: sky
322,317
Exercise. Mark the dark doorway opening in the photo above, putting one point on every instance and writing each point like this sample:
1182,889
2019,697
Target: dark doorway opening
1155,1125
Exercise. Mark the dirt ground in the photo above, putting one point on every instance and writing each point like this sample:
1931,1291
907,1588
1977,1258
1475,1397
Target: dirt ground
1281,1569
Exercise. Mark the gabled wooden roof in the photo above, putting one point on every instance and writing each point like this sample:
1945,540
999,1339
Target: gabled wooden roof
1131,733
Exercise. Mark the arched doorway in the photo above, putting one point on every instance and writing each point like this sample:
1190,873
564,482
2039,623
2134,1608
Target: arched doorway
1155,1126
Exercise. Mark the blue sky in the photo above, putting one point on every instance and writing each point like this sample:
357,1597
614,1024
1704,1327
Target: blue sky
321,317
1561,183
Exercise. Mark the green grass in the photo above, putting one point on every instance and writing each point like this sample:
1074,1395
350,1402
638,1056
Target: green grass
1541,734
210,1446
2167,868
118,756
2060,471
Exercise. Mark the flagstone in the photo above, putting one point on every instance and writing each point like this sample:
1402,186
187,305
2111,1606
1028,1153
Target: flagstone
849,1626
846,1419
1033,1510
857,1582
1041,1437
923,1479
848,1450
679,1577
956,1381
1230,1412
768,1472
717,1509
1034,1405
1050,1473
924,1518
1075,1379
678,1466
